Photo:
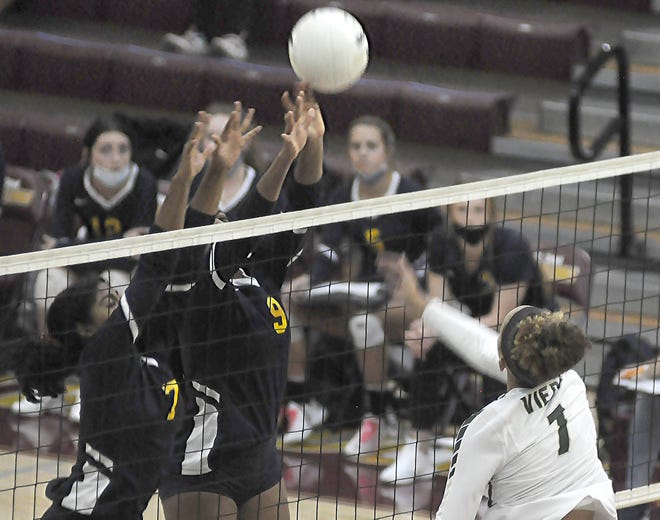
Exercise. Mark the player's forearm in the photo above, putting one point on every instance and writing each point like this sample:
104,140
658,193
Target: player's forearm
172,214
271,182
469,340
309,167
207,197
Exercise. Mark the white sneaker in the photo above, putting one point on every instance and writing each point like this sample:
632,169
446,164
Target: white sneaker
230,45
374,433
301,420
45,405
190,42
414,460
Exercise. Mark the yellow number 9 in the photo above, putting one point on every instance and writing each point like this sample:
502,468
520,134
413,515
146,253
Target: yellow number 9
278,313
372,236
172,387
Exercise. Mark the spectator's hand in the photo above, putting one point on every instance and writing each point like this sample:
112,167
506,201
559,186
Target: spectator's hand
415,340
136,231
48,242
296,127
235,137
400,277
317,127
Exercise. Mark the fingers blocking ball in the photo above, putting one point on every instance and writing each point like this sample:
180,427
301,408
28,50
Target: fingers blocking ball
329,49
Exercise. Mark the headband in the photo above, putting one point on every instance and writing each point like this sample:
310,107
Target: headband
508,336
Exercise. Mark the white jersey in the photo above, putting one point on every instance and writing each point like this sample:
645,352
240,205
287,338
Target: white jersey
532,452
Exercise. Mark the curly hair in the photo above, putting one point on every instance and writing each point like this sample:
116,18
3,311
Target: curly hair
545,345
41,365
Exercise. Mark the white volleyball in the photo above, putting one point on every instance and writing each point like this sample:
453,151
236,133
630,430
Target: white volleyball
329,49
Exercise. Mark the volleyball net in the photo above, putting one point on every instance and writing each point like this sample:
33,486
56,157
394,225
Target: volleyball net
570,221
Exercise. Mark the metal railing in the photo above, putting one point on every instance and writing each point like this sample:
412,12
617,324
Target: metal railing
619,125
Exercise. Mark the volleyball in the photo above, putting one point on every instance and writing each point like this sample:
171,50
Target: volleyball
328,48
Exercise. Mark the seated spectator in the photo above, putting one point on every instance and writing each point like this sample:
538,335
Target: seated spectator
371,143
202,38
105,197
489,270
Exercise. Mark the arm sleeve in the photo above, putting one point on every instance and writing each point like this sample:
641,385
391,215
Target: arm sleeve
147,285
466,337
191,259
275,252
478,453
229,256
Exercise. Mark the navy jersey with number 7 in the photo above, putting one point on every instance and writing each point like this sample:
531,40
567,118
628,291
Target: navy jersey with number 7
128,409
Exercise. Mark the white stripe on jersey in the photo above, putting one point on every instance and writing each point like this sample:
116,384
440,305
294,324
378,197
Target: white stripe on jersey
85,493
205,430
132,324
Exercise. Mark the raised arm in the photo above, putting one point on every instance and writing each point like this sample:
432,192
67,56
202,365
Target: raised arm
309,166
465,336
226,149
294,139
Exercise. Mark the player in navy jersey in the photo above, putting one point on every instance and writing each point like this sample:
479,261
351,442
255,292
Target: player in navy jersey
235,347
129,394
371,144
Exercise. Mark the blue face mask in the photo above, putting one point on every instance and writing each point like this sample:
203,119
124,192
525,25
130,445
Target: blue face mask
372,178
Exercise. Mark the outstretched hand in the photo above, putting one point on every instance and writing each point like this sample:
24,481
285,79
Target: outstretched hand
303,102
400,277
235,137
192,158
296,127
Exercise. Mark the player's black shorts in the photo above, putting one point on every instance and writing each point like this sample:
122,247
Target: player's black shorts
239,475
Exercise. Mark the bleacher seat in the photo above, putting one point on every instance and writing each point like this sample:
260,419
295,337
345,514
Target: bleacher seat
152,78
642,6
52,141
56,65
368,96
258,86
11,41
12,135
76,9
427,32
162,15
534,48
445,117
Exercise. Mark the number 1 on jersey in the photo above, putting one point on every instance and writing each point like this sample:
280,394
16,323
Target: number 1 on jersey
558,416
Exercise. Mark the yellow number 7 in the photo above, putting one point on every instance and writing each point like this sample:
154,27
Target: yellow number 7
168,388
278,313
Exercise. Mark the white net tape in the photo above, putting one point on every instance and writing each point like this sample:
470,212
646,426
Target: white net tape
509,185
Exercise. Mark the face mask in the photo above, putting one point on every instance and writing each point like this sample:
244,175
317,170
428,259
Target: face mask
372,178
111,178
472,234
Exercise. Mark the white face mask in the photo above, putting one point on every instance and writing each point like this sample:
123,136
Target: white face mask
373,177
111,178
